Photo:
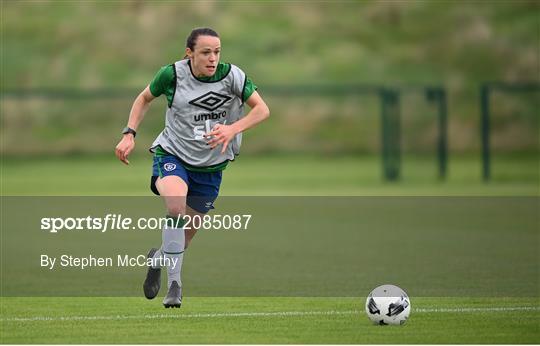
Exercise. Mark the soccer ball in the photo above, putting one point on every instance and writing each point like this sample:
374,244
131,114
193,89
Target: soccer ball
388,304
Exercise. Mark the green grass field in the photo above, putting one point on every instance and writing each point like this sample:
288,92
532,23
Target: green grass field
468,257
265,321
275,175
301,274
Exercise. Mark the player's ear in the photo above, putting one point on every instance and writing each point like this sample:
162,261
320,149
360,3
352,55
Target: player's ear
189,53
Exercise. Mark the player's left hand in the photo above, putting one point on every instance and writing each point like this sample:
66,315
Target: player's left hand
220,134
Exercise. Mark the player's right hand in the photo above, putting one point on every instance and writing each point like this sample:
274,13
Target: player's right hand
124,148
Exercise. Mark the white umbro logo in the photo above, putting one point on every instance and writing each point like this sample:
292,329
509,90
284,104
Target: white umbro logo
169,166
210,101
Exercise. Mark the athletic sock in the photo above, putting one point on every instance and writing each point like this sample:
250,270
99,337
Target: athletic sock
173,249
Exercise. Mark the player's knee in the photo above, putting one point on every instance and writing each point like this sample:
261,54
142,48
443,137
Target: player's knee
176,210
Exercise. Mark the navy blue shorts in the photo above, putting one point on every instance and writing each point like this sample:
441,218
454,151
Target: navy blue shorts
203,187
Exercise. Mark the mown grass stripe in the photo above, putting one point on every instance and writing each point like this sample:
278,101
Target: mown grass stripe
259,314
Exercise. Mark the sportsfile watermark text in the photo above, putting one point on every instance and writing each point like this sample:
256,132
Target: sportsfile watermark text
116,222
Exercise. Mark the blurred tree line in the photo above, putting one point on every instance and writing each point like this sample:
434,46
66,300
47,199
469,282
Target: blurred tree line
121,44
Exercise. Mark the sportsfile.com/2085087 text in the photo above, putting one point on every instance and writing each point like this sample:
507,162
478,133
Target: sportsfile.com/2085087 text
117,222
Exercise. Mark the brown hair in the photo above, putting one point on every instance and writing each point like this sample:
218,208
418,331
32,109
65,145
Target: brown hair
195,33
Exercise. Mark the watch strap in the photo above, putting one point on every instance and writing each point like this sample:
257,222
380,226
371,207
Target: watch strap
127,130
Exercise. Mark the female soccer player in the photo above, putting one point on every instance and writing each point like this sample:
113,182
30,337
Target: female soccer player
203,130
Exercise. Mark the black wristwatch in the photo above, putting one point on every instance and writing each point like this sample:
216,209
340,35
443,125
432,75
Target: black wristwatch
127,130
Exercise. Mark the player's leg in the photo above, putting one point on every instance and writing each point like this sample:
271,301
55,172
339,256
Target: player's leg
175,242
203,191
169,180
174,190
191,231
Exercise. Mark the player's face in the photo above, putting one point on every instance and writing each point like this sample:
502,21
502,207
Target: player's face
205,56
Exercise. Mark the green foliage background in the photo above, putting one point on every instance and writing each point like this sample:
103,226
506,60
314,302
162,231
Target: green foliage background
108,44
121,44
